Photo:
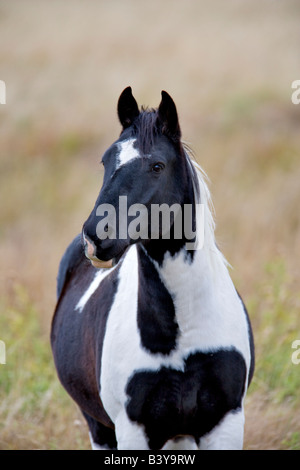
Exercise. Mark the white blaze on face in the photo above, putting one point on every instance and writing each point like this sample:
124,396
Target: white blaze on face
127,152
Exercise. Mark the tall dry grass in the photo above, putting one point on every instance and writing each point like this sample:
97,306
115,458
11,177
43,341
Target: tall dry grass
229,67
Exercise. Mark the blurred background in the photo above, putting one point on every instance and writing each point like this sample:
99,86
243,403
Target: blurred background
229,67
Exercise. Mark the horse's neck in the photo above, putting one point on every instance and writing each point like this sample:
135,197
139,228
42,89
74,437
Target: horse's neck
180,272
194,283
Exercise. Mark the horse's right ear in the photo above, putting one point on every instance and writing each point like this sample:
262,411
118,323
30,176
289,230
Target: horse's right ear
168,117
127,108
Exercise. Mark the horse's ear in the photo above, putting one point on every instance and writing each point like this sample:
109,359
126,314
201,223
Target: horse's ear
168,117
127,108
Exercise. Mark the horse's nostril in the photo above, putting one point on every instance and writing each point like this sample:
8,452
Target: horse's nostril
88,245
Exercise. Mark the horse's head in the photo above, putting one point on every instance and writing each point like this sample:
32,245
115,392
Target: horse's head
145,168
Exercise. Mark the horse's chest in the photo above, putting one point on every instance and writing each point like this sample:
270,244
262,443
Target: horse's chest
170,402
153,367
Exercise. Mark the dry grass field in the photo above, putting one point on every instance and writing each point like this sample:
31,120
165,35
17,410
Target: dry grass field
229,67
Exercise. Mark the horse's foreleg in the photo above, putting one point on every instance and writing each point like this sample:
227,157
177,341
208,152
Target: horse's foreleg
181,443
227,435
130,436
101,437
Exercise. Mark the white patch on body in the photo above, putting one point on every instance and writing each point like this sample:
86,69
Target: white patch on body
127,152
209,313
99,276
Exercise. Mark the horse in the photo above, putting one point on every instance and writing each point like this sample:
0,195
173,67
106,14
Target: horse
150,337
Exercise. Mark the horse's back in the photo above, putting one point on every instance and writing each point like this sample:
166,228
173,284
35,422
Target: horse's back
71,259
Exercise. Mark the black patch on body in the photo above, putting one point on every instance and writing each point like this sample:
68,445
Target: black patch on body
169,402
156,312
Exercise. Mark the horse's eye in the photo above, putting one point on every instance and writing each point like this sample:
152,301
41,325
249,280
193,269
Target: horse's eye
158,167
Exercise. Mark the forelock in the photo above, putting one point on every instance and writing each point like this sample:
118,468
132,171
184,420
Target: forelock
145,130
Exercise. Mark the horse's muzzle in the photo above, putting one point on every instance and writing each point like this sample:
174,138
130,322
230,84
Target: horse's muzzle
90,253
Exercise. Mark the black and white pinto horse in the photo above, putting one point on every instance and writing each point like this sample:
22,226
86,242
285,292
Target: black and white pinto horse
150,338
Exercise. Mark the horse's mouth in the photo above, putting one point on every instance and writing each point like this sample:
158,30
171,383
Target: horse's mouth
90,253
98,263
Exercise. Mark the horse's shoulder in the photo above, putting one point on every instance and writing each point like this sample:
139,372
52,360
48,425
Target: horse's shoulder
72,258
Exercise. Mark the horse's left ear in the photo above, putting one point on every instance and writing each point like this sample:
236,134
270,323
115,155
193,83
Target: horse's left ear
127,108
168,117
